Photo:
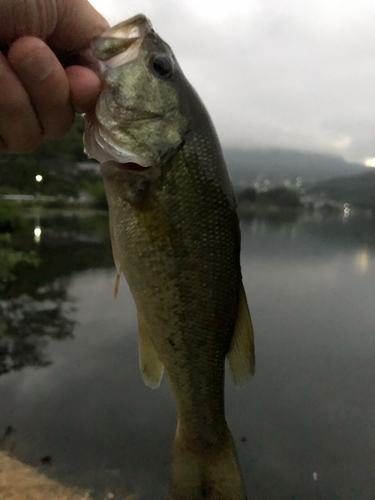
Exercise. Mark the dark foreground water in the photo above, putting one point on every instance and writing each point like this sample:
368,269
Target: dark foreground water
304,427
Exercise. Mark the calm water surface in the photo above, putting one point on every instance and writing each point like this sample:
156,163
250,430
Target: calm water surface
70,387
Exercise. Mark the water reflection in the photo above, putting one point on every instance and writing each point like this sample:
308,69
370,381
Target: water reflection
362,259
26,322
303,427
37,228
35,308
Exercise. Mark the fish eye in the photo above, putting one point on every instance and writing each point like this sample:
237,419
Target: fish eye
161,66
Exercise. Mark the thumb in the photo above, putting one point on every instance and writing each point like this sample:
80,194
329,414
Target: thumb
77,24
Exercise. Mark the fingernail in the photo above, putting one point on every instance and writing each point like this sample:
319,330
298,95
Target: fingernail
39,66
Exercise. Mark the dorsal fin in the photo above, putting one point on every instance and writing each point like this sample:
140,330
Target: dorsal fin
241,355
151,367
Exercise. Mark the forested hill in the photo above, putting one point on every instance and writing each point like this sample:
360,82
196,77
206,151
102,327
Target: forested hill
358,190
279,164
57,162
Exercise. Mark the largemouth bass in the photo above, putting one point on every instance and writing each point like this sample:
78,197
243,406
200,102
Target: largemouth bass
175,236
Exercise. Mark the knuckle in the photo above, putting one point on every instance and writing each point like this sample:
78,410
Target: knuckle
15,108
25,143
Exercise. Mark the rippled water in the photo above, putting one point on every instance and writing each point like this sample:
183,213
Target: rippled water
304,427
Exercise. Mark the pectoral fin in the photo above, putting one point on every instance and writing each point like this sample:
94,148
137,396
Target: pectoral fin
241,356
115,258
151,367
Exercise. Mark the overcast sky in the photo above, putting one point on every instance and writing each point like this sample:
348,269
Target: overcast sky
274,73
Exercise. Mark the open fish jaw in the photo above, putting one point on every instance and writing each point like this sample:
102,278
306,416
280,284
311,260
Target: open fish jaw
121,44
116,47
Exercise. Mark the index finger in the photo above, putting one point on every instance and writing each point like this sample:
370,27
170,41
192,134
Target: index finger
66,25
77,26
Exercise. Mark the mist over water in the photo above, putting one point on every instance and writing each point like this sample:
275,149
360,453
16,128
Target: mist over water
304,427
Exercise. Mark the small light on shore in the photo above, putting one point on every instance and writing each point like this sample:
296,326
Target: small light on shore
37,234
38,178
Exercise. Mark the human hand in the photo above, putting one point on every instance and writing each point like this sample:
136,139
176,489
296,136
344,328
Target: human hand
38,96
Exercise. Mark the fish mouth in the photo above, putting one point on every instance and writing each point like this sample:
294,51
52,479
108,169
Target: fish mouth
125,171
115,47
120,44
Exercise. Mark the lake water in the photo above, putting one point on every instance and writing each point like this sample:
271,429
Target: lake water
304,427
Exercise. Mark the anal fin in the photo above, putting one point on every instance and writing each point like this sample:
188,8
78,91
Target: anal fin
241,356
117,284
115,257
151,367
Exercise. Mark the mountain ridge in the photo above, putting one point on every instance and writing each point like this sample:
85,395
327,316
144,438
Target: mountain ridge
245,166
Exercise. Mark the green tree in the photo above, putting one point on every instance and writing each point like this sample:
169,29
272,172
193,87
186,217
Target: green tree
281,197
248,194
358,190
56,161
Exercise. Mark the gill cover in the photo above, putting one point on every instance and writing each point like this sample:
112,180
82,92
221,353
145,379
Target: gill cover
137,117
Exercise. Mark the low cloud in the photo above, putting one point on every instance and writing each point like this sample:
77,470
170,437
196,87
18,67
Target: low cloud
275,74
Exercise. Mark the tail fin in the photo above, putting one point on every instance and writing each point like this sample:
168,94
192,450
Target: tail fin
211,474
